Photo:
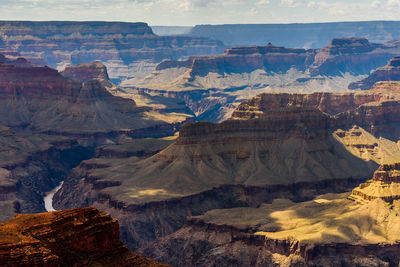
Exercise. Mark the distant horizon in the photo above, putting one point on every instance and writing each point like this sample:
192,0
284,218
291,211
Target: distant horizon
201,12
203,24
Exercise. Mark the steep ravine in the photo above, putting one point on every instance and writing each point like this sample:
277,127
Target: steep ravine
45,171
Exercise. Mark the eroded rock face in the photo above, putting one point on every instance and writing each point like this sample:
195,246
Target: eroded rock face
78,237
41,99
128,49
390,72
246,59
353,55
88,71
384,185
272,141
213,86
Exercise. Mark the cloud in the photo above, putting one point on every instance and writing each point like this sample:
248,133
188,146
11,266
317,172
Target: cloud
376,4
393,3
263,2
291,3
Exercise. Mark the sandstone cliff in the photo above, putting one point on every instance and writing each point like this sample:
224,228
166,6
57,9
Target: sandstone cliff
78,237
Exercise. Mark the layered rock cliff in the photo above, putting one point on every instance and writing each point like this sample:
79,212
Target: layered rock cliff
293,145
88,71
213,86
390,72
384,185
330,230
127,49
352,55
78,237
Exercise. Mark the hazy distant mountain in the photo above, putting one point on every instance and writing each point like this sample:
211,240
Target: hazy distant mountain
307,35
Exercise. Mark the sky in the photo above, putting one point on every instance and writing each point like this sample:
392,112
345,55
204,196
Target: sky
194,12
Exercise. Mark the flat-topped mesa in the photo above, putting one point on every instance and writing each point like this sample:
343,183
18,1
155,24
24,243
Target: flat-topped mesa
245,60
65,238
88,71
269,48
384,185
390,72
353,55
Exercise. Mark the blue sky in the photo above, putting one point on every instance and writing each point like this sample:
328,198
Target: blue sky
192,12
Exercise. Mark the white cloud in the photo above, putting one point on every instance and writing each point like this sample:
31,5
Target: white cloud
393,3
376,4
263,2
291,3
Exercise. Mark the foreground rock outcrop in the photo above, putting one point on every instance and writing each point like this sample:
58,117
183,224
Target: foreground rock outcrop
78,237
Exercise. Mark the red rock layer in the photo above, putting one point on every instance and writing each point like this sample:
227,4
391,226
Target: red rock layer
78,237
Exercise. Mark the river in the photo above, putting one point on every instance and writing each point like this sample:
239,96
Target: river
48,199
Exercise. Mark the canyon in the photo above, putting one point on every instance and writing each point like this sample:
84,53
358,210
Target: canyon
291,146
213,86
241,158
127,49
330,230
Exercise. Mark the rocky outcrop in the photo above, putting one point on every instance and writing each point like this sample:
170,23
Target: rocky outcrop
384,185
351,55
88,71
330,103
127,49
43,100
246,59
390,72
78,237
203,243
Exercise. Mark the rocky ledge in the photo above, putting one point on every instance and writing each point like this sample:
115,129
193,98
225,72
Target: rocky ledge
390,72
384,185
78,237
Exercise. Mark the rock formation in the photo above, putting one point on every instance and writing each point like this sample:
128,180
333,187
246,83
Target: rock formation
390,72
352,55
43,100
88,71
127,49
271,143
78,237
213,86
50,123
384,185
329,230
